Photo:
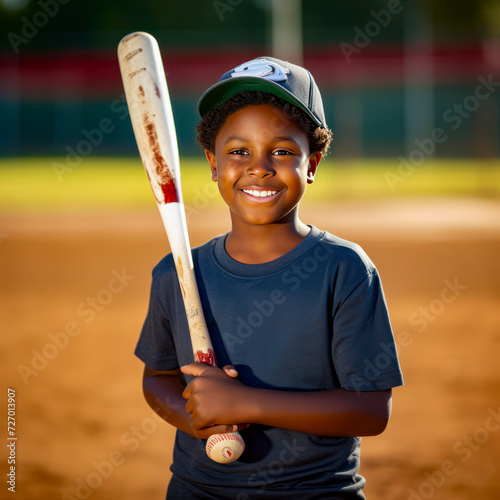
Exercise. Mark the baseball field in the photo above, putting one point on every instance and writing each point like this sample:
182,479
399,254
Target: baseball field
78,241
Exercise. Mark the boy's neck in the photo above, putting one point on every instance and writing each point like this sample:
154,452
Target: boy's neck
257,244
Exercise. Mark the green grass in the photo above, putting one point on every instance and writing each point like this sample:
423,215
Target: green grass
360,179
95,184
49,184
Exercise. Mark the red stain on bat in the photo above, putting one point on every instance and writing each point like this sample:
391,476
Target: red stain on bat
157,91
141,91
208,357
163,175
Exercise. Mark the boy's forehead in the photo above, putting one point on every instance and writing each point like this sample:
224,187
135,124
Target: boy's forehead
263,122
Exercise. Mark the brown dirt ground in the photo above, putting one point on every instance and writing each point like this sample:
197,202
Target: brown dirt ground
81,418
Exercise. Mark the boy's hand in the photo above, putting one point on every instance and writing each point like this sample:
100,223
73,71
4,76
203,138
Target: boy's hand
215,399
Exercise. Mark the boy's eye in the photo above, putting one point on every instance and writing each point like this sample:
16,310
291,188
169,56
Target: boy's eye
238,152
280,152
244,152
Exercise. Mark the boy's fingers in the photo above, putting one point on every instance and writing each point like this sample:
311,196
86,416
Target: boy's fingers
240,427
186,393
207,432
230,370
196,369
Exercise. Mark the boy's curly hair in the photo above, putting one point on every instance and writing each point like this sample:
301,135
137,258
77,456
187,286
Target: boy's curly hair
211,123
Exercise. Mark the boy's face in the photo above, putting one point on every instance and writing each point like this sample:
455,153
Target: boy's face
262,165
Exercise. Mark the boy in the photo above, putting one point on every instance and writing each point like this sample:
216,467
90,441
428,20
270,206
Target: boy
297,316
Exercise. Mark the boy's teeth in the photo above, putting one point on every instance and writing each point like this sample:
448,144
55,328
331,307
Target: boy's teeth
261,194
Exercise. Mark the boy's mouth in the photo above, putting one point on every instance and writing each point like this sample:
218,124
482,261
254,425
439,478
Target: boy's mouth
260,193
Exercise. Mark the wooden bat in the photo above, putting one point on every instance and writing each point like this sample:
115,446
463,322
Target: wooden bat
151,115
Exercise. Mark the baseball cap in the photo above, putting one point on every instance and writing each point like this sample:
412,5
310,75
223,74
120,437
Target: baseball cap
292,83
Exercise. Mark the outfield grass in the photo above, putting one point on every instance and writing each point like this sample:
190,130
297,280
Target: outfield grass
49,184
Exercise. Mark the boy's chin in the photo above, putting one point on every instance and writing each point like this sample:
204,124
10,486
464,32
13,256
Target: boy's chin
263,220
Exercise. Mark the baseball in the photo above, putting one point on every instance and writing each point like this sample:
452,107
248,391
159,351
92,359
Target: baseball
225,448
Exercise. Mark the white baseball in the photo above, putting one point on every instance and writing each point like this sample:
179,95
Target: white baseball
225,448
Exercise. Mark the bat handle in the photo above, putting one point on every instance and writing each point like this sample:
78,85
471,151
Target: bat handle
222,448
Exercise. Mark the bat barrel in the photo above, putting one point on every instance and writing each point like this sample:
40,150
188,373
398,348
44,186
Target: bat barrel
151,115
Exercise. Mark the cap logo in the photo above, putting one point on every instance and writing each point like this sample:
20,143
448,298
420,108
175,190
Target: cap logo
262,68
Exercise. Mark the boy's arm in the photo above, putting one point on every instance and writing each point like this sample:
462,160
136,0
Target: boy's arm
163,392
337,412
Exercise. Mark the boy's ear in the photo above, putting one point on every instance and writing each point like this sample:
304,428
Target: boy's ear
314,160
213,164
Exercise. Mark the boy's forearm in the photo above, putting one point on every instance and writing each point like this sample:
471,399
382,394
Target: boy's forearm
164,395
163,392
213,397
323,413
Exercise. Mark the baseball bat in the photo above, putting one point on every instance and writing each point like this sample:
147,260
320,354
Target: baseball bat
152,120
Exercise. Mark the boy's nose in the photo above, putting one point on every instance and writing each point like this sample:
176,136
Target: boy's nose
261,167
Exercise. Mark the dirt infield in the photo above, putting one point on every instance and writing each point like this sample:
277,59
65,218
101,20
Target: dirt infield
74,292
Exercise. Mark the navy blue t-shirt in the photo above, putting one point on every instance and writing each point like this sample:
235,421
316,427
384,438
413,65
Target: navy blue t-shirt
314,319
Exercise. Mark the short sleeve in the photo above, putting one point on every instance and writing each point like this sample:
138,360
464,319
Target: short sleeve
363,347
155,346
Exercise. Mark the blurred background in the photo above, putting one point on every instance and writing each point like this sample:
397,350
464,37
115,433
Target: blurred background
412,93
390,72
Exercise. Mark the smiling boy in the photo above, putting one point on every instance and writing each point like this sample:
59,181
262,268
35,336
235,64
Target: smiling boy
297,316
